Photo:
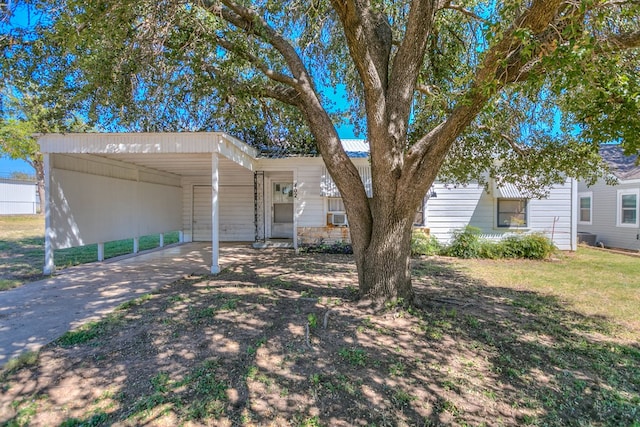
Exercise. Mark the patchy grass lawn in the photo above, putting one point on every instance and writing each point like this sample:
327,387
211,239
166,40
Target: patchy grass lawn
590,281
22,249
280,339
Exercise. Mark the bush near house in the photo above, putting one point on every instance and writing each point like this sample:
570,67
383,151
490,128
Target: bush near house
468,243
423,243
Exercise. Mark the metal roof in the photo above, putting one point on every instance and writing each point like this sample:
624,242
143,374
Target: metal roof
623,167
356,147
179,153
508,191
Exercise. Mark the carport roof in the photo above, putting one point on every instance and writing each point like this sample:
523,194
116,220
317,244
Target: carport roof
180,153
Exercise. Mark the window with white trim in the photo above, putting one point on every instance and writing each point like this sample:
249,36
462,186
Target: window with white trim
335,204
585,206
628,208
512,213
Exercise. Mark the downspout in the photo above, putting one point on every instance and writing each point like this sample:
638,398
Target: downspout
574,214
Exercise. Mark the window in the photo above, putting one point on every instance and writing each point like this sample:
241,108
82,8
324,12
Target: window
335,204
512,212
335,212
627,208
418,219
586,206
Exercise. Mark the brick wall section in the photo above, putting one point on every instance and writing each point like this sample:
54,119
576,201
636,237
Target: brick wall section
330,234
317,235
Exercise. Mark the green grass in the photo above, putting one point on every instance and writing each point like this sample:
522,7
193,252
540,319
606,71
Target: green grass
30,358
354,356
592,282
537,339
22,246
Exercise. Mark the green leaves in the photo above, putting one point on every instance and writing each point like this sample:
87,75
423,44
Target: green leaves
143,65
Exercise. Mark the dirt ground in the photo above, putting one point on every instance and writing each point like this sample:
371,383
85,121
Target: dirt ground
281,339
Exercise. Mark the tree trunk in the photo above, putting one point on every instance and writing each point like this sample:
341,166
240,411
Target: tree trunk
384,269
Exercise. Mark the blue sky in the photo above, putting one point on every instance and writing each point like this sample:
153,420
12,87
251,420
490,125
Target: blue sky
24,17
7,166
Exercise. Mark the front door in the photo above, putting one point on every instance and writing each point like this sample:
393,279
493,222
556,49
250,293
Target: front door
282,210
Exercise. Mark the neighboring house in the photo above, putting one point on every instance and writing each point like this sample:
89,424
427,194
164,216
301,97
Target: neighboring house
612,212
213,187
18,197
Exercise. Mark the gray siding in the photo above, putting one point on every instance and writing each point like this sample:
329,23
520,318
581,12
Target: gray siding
604,216
457,207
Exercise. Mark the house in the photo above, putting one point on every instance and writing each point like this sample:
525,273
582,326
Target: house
18,197
102,187
610,213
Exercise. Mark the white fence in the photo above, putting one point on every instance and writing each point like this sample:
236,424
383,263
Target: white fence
18,197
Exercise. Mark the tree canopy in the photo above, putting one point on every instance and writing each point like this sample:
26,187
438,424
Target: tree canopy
26,114
522,90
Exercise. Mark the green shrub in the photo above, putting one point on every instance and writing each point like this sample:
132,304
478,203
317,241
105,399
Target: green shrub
529,246
338,247
490,250
465,244
424,244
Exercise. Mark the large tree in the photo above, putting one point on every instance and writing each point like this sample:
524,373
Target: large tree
519,91
26,114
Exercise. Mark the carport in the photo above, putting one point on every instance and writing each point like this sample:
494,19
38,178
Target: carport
102,187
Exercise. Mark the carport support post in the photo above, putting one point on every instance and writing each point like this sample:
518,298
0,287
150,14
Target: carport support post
49,264
215,230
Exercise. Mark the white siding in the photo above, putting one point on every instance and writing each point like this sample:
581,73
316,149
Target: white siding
310,205
457,207
94,201
17,197
328,187
235,205
201,223
604,216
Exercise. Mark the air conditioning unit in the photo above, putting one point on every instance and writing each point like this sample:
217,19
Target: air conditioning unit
338,218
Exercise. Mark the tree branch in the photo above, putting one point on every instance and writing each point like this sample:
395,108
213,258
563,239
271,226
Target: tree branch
428,90
259,64
284,94
254,24
369,39
514,145
406,68
623,41
466,12
487,81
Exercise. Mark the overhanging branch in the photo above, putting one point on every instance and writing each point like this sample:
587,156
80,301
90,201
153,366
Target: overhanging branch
514,145
466,12
622,41
252,23
259,64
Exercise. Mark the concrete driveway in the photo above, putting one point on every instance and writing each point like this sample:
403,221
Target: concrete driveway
39,312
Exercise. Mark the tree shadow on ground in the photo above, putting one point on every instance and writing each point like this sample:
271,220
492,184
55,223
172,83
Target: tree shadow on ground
280,339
